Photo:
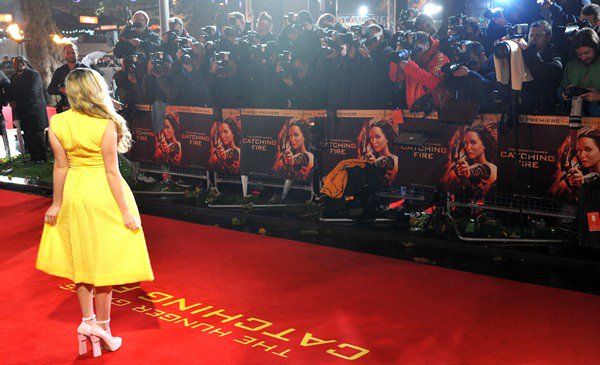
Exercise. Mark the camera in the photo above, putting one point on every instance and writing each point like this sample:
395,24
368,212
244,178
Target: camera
287,65
131,63
570,30
129,32
222,59
359,30
157,66
457,20
290,18
329,46
574,91
209,33
186,56
228,32
517,31
406,19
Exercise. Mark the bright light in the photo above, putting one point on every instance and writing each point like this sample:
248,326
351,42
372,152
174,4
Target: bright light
432,9
14,32
363,11
6,18
58,40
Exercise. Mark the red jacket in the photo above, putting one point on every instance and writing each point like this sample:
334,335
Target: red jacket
420,81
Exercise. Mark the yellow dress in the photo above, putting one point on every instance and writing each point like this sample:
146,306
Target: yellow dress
89,243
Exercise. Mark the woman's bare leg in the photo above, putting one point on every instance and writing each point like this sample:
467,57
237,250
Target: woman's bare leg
86,300
103,303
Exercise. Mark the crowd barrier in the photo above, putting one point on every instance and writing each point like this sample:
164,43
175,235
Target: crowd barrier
487,164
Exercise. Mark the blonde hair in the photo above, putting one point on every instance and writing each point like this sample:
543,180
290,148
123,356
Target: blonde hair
88,94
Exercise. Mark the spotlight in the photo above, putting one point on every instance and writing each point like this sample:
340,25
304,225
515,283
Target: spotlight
363,11
432,9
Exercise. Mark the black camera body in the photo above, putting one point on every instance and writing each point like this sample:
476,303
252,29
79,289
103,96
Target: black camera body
131,63
285,60
129,32
209,33
405,40
574,91
457,20
156,59
222,60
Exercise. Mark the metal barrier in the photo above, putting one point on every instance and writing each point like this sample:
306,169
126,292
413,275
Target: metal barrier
201,174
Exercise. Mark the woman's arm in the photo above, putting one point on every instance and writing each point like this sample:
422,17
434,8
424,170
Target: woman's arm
59,175
113,175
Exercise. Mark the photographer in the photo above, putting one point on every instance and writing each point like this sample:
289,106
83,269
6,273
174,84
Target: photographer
264,28
496,29
190,75
545,64
376,56
424,23
298,35
581,75
464,79
158,83
564,11
591,13
329,21
57,85
424,74
129,79
227,82
300,83
265,83
137,37
175,38
238,22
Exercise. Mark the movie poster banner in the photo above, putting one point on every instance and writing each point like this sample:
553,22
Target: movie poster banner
462,159
185,138
278,143
142,132
547,164
225,143
366,135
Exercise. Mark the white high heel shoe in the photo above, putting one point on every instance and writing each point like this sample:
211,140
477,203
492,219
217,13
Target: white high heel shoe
84,335
96,334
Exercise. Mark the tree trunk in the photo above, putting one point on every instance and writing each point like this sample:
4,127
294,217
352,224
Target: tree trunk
44,55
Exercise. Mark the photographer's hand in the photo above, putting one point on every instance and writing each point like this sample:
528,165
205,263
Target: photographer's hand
188,68
213,67
564,96
288,81
132,78
522,44
462,71
62,90
150,68
135,42
593,96
364,51
547,4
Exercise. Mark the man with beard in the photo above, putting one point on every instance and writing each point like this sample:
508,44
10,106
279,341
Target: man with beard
27,100
583,72
57,85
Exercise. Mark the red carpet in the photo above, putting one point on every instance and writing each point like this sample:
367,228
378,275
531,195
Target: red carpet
288,303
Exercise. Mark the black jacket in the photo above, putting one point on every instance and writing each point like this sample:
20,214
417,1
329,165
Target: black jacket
58,81
192,87
539,95
150,42
27,92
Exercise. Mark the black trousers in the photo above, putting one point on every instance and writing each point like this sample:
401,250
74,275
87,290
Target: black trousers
35,142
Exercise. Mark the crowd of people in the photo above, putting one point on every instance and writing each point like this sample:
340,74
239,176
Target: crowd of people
320,64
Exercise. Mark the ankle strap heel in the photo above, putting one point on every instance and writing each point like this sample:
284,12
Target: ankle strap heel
103,322
89,318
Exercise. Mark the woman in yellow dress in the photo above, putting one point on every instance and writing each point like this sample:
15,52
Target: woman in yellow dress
92,232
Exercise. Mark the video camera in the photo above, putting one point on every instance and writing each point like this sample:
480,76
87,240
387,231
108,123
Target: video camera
157,59
182,42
